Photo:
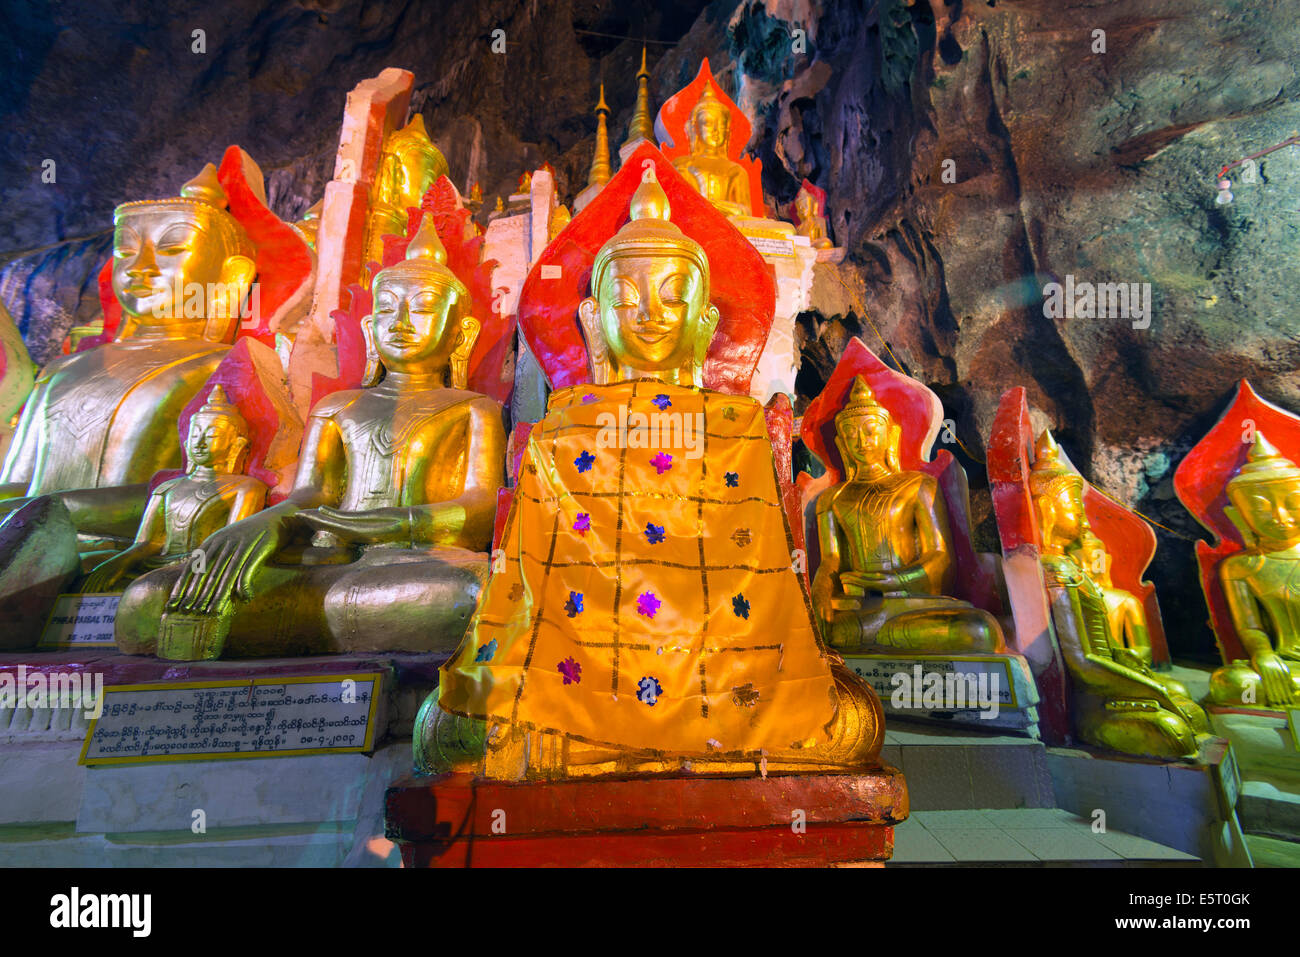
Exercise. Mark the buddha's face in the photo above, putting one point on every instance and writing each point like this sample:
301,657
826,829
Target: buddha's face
1271,509
159,252
865,438
805,205
411,322
712,129
650,309
1065,505
212,440
411,173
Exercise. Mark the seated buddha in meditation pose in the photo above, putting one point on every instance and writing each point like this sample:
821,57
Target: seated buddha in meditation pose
1262,583
812,220
396,492
100,423
1120,703
183,511
720,179
886,552
647,617
1127,616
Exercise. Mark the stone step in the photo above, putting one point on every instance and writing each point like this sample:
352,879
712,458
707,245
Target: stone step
1269,806
954,769
1023,837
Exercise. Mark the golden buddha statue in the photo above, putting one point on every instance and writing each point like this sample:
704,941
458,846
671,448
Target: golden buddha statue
646,617
811,221
720,179
183,511
1260,582
1119,702
17,375
410,164
1127,616
886,549
100,423
396,493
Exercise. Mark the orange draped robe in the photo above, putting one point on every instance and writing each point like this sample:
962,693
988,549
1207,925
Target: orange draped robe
647,598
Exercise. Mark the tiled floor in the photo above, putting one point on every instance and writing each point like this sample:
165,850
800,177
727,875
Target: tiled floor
1029,836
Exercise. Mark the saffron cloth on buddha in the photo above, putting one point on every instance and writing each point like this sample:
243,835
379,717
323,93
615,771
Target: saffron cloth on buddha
647,598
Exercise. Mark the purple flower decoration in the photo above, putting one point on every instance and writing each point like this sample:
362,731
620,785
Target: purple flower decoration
486,652
571,670
654,533
733,479
740,605
582,524
648,603
648,690
573,607
662,462
588,398
584,461
662,401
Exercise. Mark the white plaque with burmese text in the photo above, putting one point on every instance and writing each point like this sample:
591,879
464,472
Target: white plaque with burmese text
252,718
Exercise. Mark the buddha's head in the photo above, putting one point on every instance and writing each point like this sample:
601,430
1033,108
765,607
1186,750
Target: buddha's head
409,166
181,261
1265,496
419,323
1057,492
649,312
866,435
710,127
218,436
1091,554
806,205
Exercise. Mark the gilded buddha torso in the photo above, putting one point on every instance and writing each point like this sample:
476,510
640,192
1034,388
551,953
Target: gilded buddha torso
195,508
390,442
107,416
1273,580
881,509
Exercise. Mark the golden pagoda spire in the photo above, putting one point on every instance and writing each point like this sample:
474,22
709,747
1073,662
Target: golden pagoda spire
600,168
642,126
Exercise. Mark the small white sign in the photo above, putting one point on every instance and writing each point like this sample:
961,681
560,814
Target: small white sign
771,246
81,621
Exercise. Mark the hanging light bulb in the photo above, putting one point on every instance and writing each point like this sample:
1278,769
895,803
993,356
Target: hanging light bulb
1225,192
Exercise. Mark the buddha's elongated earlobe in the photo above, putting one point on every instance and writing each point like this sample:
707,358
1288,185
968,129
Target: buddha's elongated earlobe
374,368
709,319
460,353
597,350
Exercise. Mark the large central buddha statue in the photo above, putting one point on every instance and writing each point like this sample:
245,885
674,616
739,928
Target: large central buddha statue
886,549
1120,703
647,618
720,179
381,544
101,422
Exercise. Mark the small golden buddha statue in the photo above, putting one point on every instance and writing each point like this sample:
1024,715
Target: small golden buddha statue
1120,703
1262,583
410,164
647,618
183,511
812,223
17,375
720,179
1128,618
886,549
100,423
396,492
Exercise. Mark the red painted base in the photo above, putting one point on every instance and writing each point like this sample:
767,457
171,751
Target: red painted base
455,820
